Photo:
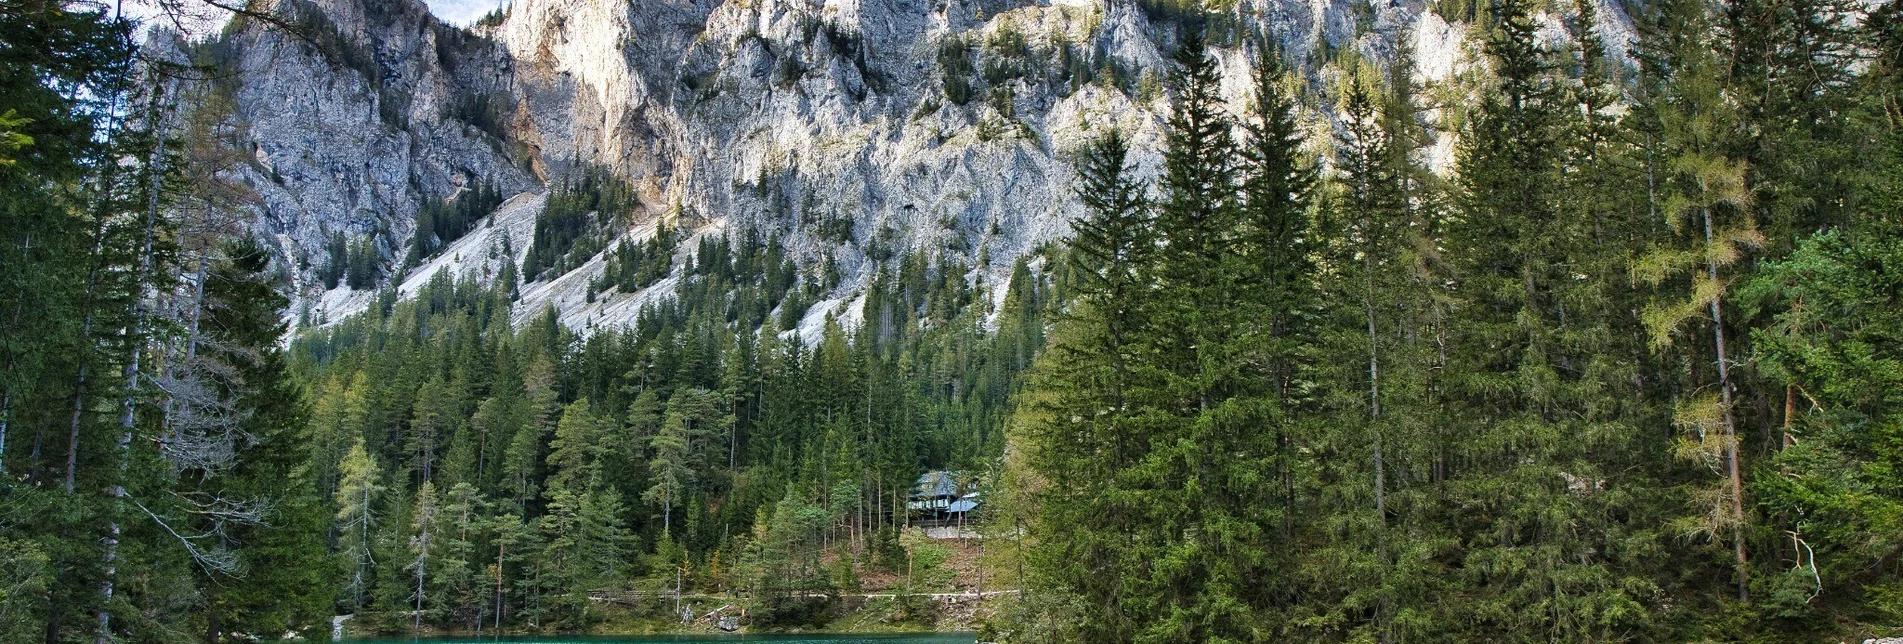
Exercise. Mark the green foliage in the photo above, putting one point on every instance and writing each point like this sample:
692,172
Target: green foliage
488,112
699,439
363,263
1630,373
494,17
1501,407
582,214
440,222
1146,414
955,68
633,266
153,486
278,585
11,140
1007,55
26,572
1187,14
1834,335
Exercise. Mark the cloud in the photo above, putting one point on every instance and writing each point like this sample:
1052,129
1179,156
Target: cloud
462,12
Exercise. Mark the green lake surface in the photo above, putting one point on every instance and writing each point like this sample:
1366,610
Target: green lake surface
902,638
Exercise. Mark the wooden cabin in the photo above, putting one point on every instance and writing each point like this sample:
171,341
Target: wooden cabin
943,498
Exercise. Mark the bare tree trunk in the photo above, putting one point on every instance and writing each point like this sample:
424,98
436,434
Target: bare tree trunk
1731,429
6,410
1374,392
364,557
500,549
1651,186
422,559
1440,346
129,402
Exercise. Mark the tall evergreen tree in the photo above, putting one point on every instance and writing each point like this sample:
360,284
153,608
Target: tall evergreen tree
276,585
1529,369
357,497
1082,401
1708,208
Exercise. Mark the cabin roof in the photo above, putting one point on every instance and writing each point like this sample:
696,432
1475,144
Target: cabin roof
936,484
964,503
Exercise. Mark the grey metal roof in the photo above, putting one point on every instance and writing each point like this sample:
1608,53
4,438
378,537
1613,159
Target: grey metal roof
936,484
964,503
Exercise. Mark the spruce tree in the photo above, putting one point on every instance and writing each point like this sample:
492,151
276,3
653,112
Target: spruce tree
1365,236
277,585
1833,338
1530,372
1078,411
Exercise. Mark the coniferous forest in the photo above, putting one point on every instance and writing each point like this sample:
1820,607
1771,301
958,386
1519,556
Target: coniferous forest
1629,368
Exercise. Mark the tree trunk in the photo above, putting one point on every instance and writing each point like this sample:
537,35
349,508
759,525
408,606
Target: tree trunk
6,408
422,559
1731,429
1374,391
500,549
1790,412
129,403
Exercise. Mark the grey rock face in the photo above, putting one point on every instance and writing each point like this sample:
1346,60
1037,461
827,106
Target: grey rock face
355,139
796,117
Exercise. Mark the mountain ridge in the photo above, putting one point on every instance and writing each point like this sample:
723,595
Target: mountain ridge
795,119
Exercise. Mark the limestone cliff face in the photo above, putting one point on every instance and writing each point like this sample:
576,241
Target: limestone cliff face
946,125
348,133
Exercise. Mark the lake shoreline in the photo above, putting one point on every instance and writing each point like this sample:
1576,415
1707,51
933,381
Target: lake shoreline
777,638
868,616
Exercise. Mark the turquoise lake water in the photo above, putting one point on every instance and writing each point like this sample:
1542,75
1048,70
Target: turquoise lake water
909,638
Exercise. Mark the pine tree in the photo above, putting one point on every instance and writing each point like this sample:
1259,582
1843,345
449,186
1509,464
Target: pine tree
423,530
1530,368
1709,210
575,457
1077,413
357,494
672,453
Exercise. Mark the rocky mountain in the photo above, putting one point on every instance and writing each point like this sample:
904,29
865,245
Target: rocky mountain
848,129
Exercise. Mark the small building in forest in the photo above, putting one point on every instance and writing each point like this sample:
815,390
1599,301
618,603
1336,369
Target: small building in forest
943,498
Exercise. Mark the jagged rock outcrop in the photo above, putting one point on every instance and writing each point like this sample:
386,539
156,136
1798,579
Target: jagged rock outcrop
348,124
848,128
